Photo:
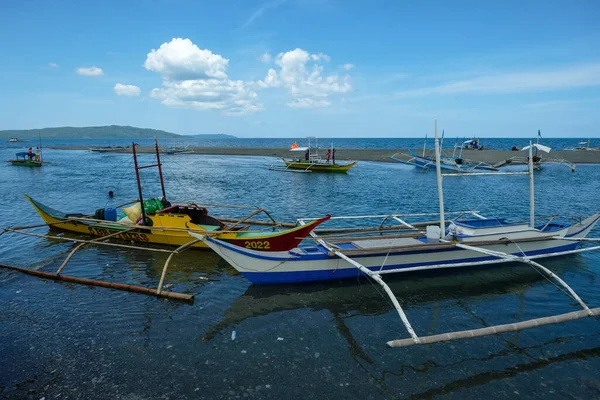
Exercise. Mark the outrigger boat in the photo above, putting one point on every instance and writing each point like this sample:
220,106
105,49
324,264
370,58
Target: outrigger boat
23,160
311,161
160,222
177,150
476,241
455,163
537,157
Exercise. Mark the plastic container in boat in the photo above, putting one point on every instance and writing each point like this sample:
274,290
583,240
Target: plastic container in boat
433,233
110,214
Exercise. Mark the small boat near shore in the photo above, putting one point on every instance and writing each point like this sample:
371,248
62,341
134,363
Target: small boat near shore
24,160
454,163
106,149
312,160
157,221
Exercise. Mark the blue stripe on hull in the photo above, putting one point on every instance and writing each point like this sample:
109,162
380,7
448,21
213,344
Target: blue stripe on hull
345,273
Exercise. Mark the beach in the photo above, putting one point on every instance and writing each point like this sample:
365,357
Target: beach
491,156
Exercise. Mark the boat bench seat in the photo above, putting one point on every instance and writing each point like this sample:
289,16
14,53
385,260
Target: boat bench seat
383,243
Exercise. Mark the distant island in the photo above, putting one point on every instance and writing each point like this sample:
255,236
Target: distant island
102,132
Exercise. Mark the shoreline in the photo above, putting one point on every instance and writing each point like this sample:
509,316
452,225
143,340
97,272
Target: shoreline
489,156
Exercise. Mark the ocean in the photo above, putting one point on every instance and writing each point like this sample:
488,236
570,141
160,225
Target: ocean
321,340
341,143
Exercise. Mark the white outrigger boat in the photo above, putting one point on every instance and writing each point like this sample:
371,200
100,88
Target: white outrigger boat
477,241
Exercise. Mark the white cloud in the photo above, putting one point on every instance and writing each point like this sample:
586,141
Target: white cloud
230,97
348,66
320,56
518,82
306,102
302,76
126,90
271,80
260,11
197,79
53,65
266,58
90,71
181,59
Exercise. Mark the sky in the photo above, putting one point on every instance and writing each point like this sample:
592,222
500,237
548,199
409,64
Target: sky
293,68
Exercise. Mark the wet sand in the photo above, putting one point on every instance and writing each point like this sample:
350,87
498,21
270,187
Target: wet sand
379,155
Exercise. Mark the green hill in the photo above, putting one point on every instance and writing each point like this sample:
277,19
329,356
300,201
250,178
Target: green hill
99,132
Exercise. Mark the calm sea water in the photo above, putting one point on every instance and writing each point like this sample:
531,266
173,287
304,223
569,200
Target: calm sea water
66,341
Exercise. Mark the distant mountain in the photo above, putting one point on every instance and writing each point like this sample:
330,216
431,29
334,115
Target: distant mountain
211,136
101,132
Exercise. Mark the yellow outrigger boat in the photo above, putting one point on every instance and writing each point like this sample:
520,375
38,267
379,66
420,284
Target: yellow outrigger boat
170,226
312,161
157,221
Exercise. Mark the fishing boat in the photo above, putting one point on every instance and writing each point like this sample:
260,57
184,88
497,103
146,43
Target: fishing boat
454,163
469,240
537,157
472,144
106,149
584,145
177,150
157,221
22,160
311,161
475,241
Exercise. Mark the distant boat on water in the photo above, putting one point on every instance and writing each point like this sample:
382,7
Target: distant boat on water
15,140
104,149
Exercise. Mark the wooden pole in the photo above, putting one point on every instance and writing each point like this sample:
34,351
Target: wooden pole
139,184
110,285
493,330
438,169
80,245
176,251
159,165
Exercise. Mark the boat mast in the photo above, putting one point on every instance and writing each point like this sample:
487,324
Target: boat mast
159,165
531,190
424,145
41,157
139,184
438,170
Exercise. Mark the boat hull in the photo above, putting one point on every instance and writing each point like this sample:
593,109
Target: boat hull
170,231
317,263
288,268
26,163
319,167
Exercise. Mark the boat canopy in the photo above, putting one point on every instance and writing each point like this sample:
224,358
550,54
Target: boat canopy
22,154
299,149
539,147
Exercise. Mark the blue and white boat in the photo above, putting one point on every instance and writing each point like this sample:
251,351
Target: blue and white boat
472,242
453,243
403,254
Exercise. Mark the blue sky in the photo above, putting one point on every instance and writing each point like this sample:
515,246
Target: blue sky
290,68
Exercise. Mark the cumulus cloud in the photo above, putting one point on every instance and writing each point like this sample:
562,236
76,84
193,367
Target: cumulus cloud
230,97
181,59
90,71
266,58
348,66
53,65
197,79
302,76
126,90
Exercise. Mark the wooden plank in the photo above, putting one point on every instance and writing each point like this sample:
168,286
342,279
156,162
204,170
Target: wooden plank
493,330
110,285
